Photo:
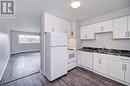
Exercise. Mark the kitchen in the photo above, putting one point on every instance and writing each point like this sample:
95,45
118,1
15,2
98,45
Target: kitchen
82,44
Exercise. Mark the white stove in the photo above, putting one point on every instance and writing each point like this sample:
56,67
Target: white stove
72,59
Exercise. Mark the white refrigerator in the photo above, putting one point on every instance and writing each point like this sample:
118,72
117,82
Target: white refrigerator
55,55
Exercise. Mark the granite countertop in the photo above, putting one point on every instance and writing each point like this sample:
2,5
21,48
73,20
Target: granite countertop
107,51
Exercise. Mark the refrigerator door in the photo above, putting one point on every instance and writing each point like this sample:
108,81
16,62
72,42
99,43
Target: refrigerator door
58,39
59,58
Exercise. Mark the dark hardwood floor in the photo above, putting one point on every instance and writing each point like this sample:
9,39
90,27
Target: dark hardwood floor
75,77
23,70
21,65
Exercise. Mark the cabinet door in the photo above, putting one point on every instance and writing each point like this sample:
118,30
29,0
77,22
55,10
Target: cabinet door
104,65
116,69
96,63
129,26
56,24
68,28
97,27
105,26
89,60
127,72
48,22
83,58
79,58
90,32
83,34
120,28
62,26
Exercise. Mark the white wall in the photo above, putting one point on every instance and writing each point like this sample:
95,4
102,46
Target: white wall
105,39
16,47
21,22
114,14
4,50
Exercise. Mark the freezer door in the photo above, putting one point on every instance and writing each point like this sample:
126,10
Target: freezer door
59,58
58,39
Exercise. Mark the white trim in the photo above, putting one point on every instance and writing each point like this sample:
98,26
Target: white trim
25,51
110,77
4,67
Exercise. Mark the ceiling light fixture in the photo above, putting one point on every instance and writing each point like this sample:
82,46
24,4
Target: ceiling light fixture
75,4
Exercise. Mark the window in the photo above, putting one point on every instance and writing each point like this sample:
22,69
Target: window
29,39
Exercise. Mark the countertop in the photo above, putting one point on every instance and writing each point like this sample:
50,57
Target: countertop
107,51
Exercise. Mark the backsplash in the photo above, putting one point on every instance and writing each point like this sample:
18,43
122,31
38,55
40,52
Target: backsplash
105,40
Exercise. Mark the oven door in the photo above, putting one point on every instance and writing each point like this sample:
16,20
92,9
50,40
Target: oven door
72,57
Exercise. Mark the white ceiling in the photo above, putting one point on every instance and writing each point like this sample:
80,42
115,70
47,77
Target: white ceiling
88,9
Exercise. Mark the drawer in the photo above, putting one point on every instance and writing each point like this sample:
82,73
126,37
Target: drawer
72,58
72,65
105,56
119,58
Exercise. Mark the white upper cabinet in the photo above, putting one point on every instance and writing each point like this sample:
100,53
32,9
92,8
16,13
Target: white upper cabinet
120,29
56,24
87,32
105,26
48,22
83,32
90,32
67,28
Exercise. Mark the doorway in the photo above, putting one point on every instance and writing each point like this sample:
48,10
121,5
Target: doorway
25,56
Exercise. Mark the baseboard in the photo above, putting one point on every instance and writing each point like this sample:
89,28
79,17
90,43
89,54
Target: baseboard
24,51
4,67
105,75
71,65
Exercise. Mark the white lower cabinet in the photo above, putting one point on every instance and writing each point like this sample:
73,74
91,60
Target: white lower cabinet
116,69
96,64
104,65
119,68
127,72
86,59
100,63
78,58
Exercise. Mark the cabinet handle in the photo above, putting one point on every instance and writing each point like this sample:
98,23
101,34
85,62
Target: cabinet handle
124,59
99,61
65,31
53,29
86,36
128,33
125,67
122,66
102,28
